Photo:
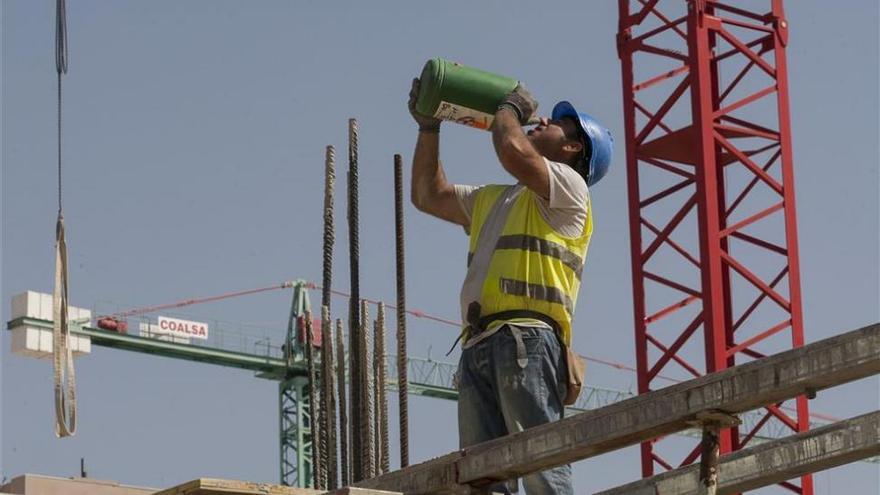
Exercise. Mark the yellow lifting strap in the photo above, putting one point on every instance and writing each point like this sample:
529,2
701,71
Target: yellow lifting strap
65,376
62,357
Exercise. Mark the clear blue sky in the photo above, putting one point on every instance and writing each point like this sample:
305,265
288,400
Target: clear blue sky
194,142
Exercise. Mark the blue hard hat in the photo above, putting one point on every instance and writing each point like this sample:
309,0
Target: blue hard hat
600,141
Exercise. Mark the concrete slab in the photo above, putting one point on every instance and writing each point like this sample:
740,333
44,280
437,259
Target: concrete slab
213,486
433,476
34,484
772,462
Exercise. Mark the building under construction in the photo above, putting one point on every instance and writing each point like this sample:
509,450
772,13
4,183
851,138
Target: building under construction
707,154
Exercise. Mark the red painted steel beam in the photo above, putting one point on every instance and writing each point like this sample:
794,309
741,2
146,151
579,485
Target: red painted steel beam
721,66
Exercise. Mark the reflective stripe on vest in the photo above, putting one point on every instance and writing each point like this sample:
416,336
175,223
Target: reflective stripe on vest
532,267
536,291
545,247
538,245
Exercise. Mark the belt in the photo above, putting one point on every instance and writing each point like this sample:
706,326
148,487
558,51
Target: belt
483,322
478,324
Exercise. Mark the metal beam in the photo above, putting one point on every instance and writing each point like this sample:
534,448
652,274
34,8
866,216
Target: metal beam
266,366
804,370
772,462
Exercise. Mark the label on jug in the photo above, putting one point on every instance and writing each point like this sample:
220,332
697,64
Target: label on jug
463,115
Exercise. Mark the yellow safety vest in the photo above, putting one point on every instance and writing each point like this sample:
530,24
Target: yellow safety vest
533,267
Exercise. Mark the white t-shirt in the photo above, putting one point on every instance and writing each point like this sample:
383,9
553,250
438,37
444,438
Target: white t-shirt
565,211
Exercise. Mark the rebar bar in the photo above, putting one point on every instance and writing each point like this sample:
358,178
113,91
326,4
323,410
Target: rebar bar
354,327
709,459
376,401
321,422
402,382
328,402
313,403
344,468
382,379
366,415
328,406
329,239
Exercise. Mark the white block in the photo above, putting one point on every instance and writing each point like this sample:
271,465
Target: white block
80,345
37,342
46,307
31,342
81,316
32,304
25,342
19,306
45,340
36,306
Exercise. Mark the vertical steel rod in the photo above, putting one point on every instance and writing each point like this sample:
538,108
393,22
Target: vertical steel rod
328,393
382,398
402,382
321,418
354,326
376,400
328,396
366,414
344,470
313,403
329,183
709,459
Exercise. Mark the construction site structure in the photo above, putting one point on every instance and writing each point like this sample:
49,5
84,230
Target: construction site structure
714,254
31,335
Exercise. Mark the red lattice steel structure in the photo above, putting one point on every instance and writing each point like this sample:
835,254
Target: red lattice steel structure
711,200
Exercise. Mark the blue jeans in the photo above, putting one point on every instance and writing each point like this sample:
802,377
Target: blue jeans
498,397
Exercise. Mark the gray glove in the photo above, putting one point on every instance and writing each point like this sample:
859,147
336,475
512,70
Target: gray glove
521,102
426,123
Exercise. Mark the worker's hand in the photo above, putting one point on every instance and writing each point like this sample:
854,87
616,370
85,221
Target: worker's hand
426,123
522,103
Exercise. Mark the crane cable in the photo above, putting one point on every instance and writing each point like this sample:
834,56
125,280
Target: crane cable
63,370
202,300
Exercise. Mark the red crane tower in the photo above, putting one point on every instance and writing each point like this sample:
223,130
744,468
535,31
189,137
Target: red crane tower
711,198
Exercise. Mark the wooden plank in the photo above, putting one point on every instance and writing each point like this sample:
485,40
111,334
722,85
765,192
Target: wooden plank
772,462
814,367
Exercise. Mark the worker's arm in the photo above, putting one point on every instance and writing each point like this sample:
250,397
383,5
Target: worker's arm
430,191
515,152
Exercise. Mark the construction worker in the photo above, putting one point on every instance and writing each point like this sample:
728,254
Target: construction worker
528,243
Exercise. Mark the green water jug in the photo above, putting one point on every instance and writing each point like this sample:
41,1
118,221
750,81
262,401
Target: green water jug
461,94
